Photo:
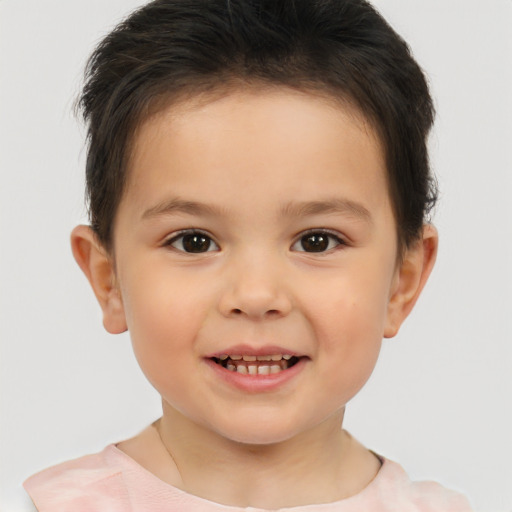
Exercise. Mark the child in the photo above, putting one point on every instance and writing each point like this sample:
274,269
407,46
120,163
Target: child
259,188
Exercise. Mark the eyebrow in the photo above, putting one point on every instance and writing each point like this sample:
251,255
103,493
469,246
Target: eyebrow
335,205
292,209
177,205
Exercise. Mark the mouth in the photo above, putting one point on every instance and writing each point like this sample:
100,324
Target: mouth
256,365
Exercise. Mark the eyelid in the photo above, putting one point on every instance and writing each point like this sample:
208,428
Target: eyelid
173,237
336,235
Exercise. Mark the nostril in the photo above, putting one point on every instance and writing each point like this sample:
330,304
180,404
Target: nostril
269,313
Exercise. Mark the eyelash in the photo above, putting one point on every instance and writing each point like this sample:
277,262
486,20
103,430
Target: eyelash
208,240
331,236
190,232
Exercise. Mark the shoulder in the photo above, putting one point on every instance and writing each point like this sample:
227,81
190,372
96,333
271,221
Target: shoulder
94,480
396,487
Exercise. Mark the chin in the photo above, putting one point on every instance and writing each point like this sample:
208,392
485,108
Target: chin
260,433
261,439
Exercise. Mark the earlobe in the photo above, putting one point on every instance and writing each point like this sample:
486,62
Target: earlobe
410,279
98,267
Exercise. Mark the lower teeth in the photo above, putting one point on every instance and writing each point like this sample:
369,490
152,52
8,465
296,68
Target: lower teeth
252,369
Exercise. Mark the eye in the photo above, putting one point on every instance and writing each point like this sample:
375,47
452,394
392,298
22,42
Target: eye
317,241
195,242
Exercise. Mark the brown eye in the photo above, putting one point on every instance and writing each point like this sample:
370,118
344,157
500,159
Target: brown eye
194,242
318,241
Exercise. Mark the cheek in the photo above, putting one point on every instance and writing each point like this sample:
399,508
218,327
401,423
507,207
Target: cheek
351,309
163,321
349,328
351,345
162,305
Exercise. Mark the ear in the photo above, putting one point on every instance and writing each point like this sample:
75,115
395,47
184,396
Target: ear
98,267
410,278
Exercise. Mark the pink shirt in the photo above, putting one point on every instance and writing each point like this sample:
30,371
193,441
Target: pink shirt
110,481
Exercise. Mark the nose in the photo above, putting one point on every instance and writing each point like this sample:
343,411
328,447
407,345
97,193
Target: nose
255,288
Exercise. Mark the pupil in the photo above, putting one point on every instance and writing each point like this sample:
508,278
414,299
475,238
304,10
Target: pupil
196,243
315,243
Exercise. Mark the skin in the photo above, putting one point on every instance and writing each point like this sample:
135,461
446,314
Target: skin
263,168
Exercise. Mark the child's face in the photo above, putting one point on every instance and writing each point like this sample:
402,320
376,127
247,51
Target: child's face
257,224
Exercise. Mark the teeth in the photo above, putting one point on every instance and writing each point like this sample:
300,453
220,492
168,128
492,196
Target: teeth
265,358
255,365
253,369
272,357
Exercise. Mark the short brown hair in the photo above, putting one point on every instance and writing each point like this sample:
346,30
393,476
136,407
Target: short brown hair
170,48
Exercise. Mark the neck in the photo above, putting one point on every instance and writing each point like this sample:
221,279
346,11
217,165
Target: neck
321,465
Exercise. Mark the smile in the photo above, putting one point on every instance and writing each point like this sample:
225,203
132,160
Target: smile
256,365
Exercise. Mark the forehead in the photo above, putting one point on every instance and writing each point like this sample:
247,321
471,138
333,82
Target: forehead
295,143
256,104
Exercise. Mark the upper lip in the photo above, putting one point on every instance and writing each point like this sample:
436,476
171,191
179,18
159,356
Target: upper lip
247,350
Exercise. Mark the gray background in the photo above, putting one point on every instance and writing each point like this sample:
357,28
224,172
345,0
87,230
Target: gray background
439,401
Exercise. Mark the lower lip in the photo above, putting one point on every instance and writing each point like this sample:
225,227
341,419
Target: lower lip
257,383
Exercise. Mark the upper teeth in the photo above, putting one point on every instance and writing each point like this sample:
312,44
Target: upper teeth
276,357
